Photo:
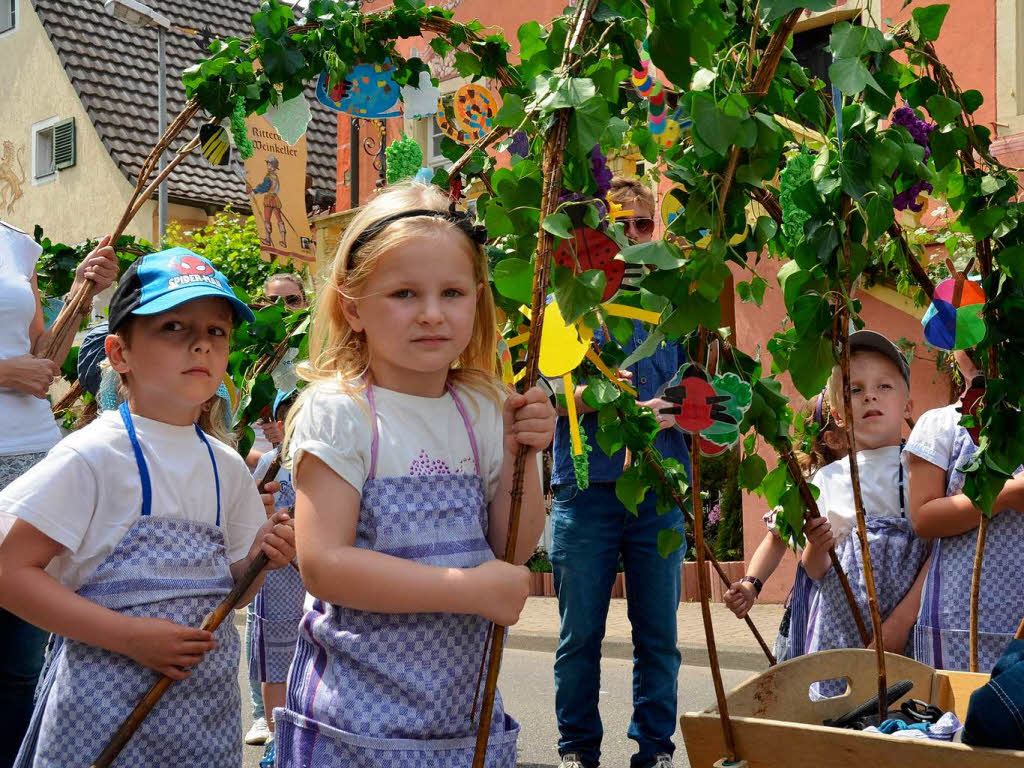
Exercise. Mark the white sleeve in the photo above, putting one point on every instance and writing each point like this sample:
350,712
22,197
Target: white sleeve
244,512
335,428
58,497
933,435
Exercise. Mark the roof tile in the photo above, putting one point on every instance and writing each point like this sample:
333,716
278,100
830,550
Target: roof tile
114,68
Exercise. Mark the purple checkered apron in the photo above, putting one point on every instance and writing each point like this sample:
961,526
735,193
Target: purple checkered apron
166,568
897,555
941,636
376,690
277,611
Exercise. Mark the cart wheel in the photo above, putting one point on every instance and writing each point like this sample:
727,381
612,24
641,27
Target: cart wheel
724,763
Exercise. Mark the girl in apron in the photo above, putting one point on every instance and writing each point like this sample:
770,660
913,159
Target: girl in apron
140,521
938,449
278,607
402,455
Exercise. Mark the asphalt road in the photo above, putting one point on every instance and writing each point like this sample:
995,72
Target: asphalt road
528,688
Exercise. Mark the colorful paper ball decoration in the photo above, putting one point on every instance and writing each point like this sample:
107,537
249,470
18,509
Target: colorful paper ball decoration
952,327
593,250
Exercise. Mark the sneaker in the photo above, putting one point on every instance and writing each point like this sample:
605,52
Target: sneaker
664,760
268,755
259,733
570,760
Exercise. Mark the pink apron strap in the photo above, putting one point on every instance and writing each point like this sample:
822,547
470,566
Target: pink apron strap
375,438
469,428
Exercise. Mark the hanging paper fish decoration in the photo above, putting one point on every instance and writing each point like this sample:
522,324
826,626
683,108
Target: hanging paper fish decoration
370,92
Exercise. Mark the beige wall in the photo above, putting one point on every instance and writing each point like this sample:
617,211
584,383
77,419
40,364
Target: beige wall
85,200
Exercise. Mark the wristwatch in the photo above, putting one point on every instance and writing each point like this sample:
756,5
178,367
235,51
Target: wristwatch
758,584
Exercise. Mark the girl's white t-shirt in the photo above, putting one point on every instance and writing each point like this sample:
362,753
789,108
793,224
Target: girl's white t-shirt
933,436
86,493
417,435
879,485
28,425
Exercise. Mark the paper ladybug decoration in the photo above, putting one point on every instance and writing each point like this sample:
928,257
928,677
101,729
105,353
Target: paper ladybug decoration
709,408
593,250
954,320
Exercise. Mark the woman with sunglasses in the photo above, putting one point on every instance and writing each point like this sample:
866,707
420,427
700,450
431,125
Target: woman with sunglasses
590,530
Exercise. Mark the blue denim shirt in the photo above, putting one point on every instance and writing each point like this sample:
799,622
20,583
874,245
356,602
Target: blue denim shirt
649,376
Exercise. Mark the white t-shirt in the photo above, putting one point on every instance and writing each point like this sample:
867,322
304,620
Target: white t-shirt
879,487
933,436
417,435
86,493
27,422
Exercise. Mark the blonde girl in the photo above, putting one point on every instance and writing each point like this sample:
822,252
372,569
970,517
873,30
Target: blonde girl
402,453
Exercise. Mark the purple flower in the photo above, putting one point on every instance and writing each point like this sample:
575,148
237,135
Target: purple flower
715,514
520,144
602,173
907,199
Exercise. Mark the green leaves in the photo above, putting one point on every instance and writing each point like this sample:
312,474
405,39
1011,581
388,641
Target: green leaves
776,9
714,127
943,110
656,253
631,487
558,224
514,279
577,294
926,23
851,76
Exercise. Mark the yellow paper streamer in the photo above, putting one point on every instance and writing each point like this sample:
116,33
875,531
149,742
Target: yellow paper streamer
517,340
593,357
570,407
632,313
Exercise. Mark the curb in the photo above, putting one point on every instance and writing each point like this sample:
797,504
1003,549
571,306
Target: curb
694,654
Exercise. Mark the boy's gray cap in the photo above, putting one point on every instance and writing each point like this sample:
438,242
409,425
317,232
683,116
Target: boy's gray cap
876,342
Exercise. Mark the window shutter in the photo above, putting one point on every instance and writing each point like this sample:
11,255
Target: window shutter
64,144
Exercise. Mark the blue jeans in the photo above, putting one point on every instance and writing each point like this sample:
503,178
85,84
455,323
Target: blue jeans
590,528
21,659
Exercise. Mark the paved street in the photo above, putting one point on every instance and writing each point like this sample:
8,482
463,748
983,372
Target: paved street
528,686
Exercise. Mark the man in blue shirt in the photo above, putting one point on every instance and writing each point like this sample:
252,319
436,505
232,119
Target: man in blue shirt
590,530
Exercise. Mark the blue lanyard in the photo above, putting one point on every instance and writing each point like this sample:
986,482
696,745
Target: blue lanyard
140,461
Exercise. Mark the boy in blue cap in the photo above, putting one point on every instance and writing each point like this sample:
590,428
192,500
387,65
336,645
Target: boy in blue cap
134,528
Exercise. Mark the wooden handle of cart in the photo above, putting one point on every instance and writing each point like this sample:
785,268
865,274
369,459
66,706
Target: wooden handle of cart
159,688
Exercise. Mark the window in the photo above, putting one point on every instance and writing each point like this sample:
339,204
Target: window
8,15
1009,67
53,148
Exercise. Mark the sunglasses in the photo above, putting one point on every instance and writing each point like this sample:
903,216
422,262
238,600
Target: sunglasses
291,300
643,225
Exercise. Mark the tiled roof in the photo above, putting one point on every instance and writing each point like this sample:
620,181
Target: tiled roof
113,68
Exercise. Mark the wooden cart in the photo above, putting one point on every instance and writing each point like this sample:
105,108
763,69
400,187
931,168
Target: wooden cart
776,725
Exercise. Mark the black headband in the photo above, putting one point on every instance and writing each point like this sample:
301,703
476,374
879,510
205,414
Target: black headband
475,232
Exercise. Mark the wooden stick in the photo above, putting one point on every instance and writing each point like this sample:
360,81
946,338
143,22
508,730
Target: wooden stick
69,399
652,460
918,271
842,337
554,148
704,588
77,307
159,688
979,554
810,513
